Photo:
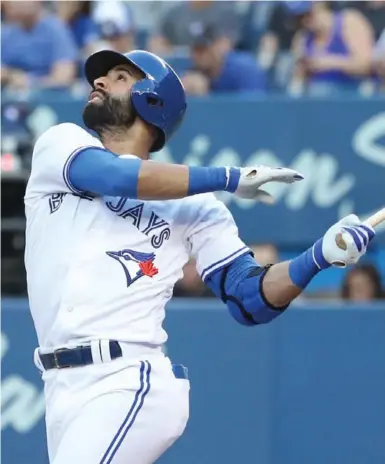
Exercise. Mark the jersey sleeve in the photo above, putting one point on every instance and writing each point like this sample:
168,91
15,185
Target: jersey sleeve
213,237
52,156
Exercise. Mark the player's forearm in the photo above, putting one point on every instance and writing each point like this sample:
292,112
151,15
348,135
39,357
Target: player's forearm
257,295
163,181
284,281
277,286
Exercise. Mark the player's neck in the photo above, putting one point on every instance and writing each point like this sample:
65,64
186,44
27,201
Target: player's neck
134,141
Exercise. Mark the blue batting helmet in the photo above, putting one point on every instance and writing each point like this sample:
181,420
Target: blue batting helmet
159,98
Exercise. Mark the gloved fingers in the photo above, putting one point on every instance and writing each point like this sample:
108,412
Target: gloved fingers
351,253
369,230
360,239
351,220
264,197
352,250
263,174
361,235
286,175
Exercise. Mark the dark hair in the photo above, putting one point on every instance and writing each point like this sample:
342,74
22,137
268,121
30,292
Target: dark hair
371,272
85,8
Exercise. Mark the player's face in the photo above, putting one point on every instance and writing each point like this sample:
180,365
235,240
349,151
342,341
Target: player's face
109,105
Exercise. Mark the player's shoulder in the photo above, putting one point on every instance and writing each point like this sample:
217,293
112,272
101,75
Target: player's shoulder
61,132
61,136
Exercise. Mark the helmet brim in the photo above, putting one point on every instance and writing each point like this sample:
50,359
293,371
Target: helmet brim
100,63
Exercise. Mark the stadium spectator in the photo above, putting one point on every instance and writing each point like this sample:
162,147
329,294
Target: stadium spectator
216,67
274,50
37,49
333,48
77,16
374,11
178,20
281,29
115,21
147,17
362,283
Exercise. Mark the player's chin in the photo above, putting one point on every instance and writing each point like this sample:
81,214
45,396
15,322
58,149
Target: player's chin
92,114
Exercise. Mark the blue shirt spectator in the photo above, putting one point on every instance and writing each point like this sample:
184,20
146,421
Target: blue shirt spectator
179,16
239,73
334,48
37,49
217,68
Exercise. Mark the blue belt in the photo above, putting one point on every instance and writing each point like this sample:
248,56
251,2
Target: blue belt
82,356
75,357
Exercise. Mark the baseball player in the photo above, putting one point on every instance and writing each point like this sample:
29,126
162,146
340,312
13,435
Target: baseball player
108,232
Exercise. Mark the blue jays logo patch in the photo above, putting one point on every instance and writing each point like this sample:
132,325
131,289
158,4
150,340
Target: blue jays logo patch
135,264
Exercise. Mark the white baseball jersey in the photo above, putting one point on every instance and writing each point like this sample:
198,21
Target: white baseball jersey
104,268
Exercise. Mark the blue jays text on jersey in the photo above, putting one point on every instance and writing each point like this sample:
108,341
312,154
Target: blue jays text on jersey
123,208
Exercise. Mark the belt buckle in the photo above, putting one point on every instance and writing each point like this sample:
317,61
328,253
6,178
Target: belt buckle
56,361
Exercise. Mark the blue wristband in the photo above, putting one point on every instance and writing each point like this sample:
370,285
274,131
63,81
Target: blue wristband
212,179
303,268
233,176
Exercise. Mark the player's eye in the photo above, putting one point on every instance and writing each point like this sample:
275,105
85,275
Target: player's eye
122,77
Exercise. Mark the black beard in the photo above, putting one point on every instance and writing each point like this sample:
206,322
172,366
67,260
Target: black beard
111,114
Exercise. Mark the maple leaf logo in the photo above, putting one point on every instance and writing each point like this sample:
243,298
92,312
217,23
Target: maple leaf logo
148,268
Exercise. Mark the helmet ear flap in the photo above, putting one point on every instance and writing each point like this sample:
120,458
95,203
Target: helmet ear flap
142,93
154,100
149,106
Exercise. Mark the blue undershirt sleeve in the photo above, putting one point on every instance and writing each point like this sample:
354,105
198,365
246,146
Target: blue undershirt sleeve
97,171
100,172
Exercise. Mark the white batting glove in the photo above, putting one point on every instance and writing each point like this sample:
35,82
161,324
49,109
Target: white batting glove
252,178
355,234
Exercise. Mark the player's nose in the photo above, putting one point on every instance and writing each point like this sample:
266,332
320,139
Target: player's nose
101,83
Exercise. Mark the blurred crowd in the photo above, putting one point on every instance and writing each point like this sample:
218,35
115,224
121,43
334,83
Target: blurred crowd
297,47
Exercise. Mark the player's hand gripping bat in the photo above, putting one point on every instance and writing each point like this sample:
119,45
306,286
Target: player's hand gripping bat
373,221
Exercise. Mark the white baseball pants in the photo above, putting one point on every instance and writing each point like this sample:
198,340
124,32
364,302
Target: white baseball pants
121,412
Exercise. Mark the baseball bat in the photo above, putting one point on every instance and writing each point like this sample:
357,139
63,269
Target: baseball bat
373,221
